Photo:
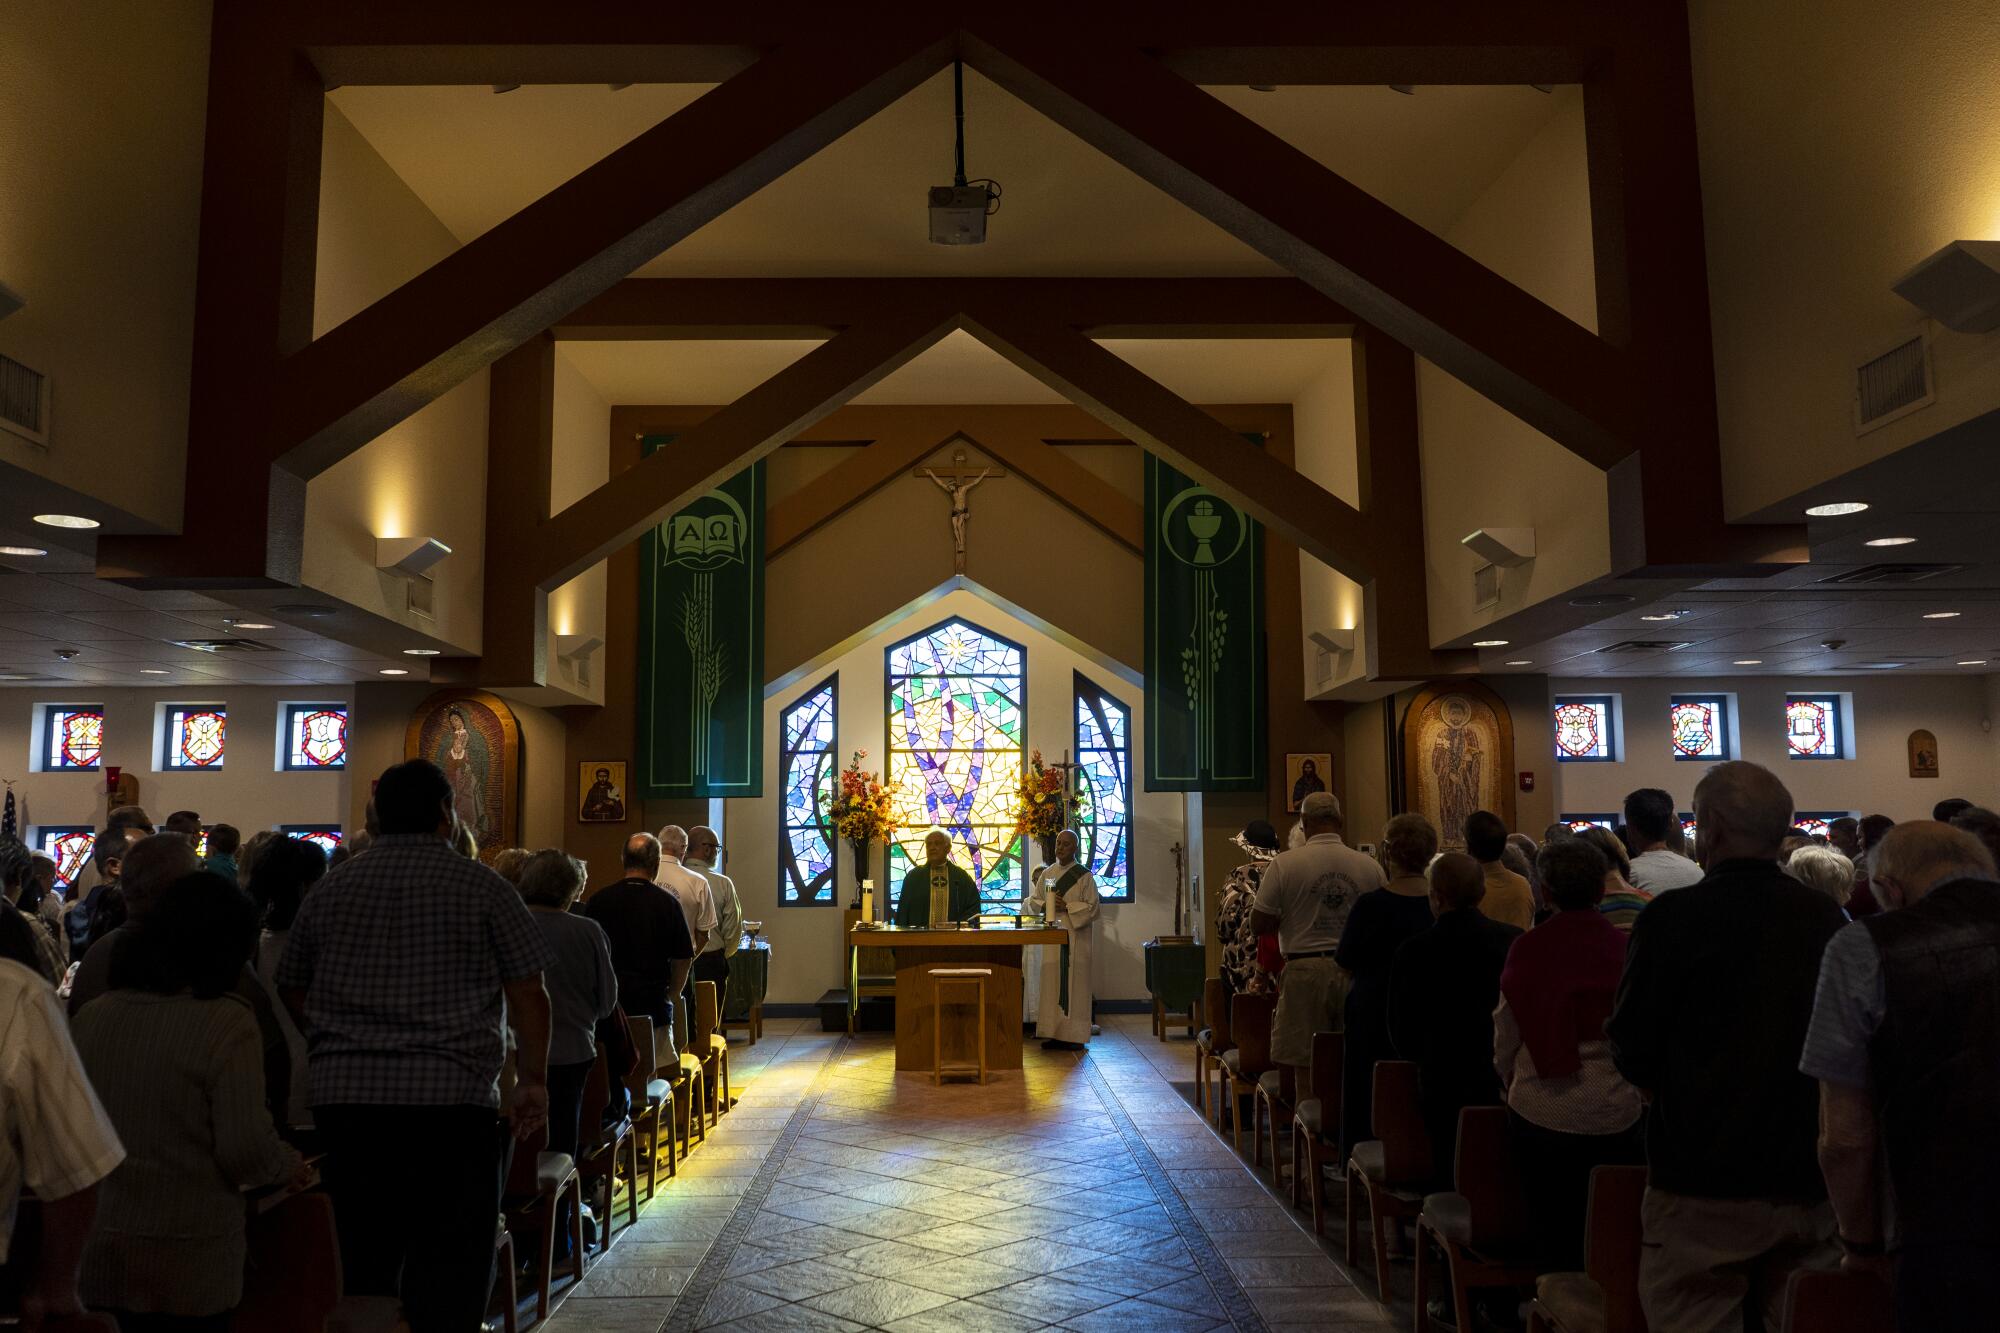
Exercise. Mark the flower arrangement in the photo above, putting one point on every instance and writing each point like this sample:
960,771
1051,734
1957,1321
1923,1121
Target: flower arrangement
1042,802
862,811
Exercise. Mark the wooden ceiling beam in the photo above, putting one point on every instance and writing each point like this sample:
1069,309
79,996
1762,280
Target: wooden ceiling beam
1122,396
886,456
517,279
1076,488
1392,273
650,309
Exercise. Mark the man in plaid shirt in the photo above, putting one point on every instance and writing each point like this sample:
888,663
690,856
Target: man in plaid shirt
395,969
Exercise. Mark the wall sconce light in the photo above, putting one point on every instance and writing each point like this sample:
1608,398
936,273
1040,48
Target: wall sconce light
1334,640
1959,286
1506,547
408,557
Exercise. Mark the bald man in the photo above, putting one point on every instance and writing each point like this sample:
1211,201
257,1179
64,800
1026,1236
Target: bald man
1905,1043
1444,985
651,947
1709,1021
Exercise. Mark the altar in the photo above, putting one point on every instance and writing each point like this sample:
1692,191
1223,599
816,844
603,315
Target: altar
916,952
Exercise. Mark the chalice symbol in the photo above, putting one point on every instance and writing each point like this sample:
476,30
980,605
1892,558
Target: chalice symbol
1204,523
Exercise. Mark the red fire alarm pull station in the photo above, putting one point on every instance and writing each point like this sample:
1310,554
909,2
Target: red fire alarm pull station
1527,782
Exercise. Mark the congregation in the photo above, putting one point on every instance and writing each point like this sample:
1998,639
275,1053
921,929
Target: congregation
1793,1035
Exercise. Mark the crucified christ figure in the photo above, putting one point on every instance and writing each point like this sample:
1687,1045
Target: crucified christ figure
961,509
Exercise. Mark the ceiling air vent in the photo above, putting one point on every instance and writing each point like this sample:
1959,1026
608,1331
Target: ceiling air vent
225,645
24,401
1646,646
1894,384
1913,573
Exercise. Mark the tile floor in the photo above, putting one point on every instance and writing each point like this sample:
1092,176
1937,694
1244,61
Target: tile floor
1080,1193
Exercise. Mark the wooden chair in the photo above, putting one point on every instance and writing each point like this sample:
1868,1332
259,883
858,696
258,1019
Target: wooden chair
602,1147
689,1081
1604,1297
1833,1301
503,1275
1481,1225
1247,1061
1316,1123
973,979
1211,1041
652,1104
532,1199
1275,1096
711,1047
292,1276
1394,1167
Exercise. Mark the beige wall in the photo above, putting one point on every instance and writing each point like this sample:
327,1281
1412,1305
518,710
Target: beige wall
425,477
1838,149
249,790
1876,780
101,113
1484,467
1323,449
582,462
805,941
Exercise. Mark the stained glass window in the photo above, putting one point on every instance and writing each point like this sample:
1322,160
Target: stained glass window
315,737
326,837
74,737
1688,829
956,702
1578,823
1812,726
1699,724
68,845
1104,790
805,826
194,737
1583,728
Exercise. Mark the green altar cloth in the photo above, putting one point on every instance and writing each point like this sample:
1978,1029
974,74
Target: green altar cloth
749,979
1174,974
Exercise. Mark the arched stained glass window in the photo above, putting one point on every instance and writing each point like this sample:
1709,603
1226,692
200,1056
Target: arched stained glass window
957,698
805,826
1104,790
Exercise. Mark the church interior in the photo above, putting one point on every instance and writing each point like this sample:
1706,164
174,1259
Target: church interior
1447,409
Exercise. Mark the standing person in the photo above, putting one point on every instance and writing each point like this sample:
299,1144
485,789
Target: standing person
120,819
187,823
1241,973
1443,987
24,897
1568,1109
1905,1043
698,901
223,840
1650,819
1067,893
1622,901
139,878
403,1029
1376,927
39,889
652,949
704,850
937,890
97,910
1304,900
286,871
1871,831
177,1063
1507,899
1709,1021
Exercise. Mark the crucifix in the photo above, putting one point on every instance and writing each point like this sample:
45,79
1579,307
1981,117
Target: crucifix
957,481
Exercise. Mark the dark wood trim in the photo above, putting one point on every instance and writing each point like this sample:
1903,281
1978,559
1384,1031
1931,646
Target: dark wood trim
520,461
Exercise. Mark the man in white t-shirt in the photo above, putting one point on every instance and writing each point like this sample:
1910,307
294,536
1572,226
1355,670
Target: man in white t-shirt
1649,817
1304,899
697,900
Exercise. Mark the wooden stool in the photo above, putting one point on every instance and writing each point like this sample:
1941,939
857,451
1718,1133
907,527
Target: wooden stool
975,978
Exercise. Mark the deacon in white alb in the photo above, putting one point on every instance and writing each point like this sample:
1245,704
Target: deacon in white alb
1065,895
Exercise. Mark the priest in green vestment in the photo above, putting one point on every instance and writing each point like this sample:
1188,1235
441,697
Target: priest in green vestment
937,890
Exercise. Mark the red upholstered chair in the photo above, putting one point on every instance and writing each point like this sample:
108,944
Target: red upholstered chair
1316,1123
1833,1301
1604,1297
1481,1226
292,1276
1393,1167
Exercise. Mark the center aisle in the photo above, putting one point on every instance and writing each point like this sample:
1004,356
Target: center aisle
1082,1193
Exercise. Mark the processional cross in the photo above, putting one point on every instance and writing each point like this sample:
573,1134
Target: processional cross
957,481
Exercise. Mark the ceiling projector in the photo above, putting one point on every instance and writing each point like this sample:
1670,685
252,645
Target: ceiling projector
958,213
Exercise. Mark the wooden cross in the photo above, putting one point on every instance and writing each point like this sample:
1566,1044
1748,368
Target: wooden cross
957,481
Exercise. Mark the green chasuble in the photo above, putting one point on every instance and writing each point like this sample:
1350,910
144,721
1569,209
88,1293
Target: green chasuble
915,907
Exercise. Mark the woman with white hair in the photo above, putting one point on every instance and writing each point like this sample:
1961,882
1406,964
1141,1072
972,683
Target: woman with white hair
1824,869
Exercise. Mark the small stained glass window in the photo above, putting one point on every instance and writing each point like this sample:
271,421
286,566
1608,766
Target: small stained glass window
194,737
74,737
315,737
1578,823
1583,728
805,820
1816,822
1699,724
326,837
1103,815
1688,828
1812,726
68,845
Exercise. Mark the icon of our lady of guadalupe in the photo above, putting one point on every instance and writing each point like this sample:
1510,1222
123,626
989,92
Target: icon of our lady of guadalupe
468,766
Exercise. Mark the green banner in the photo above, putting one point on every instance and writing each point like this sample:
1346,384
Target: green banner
1204,638
701,643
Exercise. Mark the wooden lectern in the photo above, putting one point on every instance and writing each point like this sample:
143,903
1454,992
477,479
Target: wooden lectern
915,953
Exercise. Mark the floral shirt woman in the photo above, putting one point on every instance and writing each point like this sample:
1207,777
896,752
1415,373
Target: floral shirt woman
1232,916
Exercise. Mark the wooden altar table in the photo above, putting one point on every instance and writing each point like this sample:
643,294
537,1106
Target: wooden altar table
916,952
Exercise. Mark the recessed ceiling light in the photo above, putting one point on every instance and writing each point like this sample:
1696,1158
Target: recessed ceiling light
392,671
1838,509
1881,666
13,677
1489,643
151,671
1977,661
1889,541
309,610
1667,615
248,624
1749,661
1941,615
422,652
1521,662
1603,599
22,550
66,521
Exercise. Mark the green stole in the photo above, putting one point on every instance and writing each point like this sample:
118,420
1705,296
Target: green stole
1069,877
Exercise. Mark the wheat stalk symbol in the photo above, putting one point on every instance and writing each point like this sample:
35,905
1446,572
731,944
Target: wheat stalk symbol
706,660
